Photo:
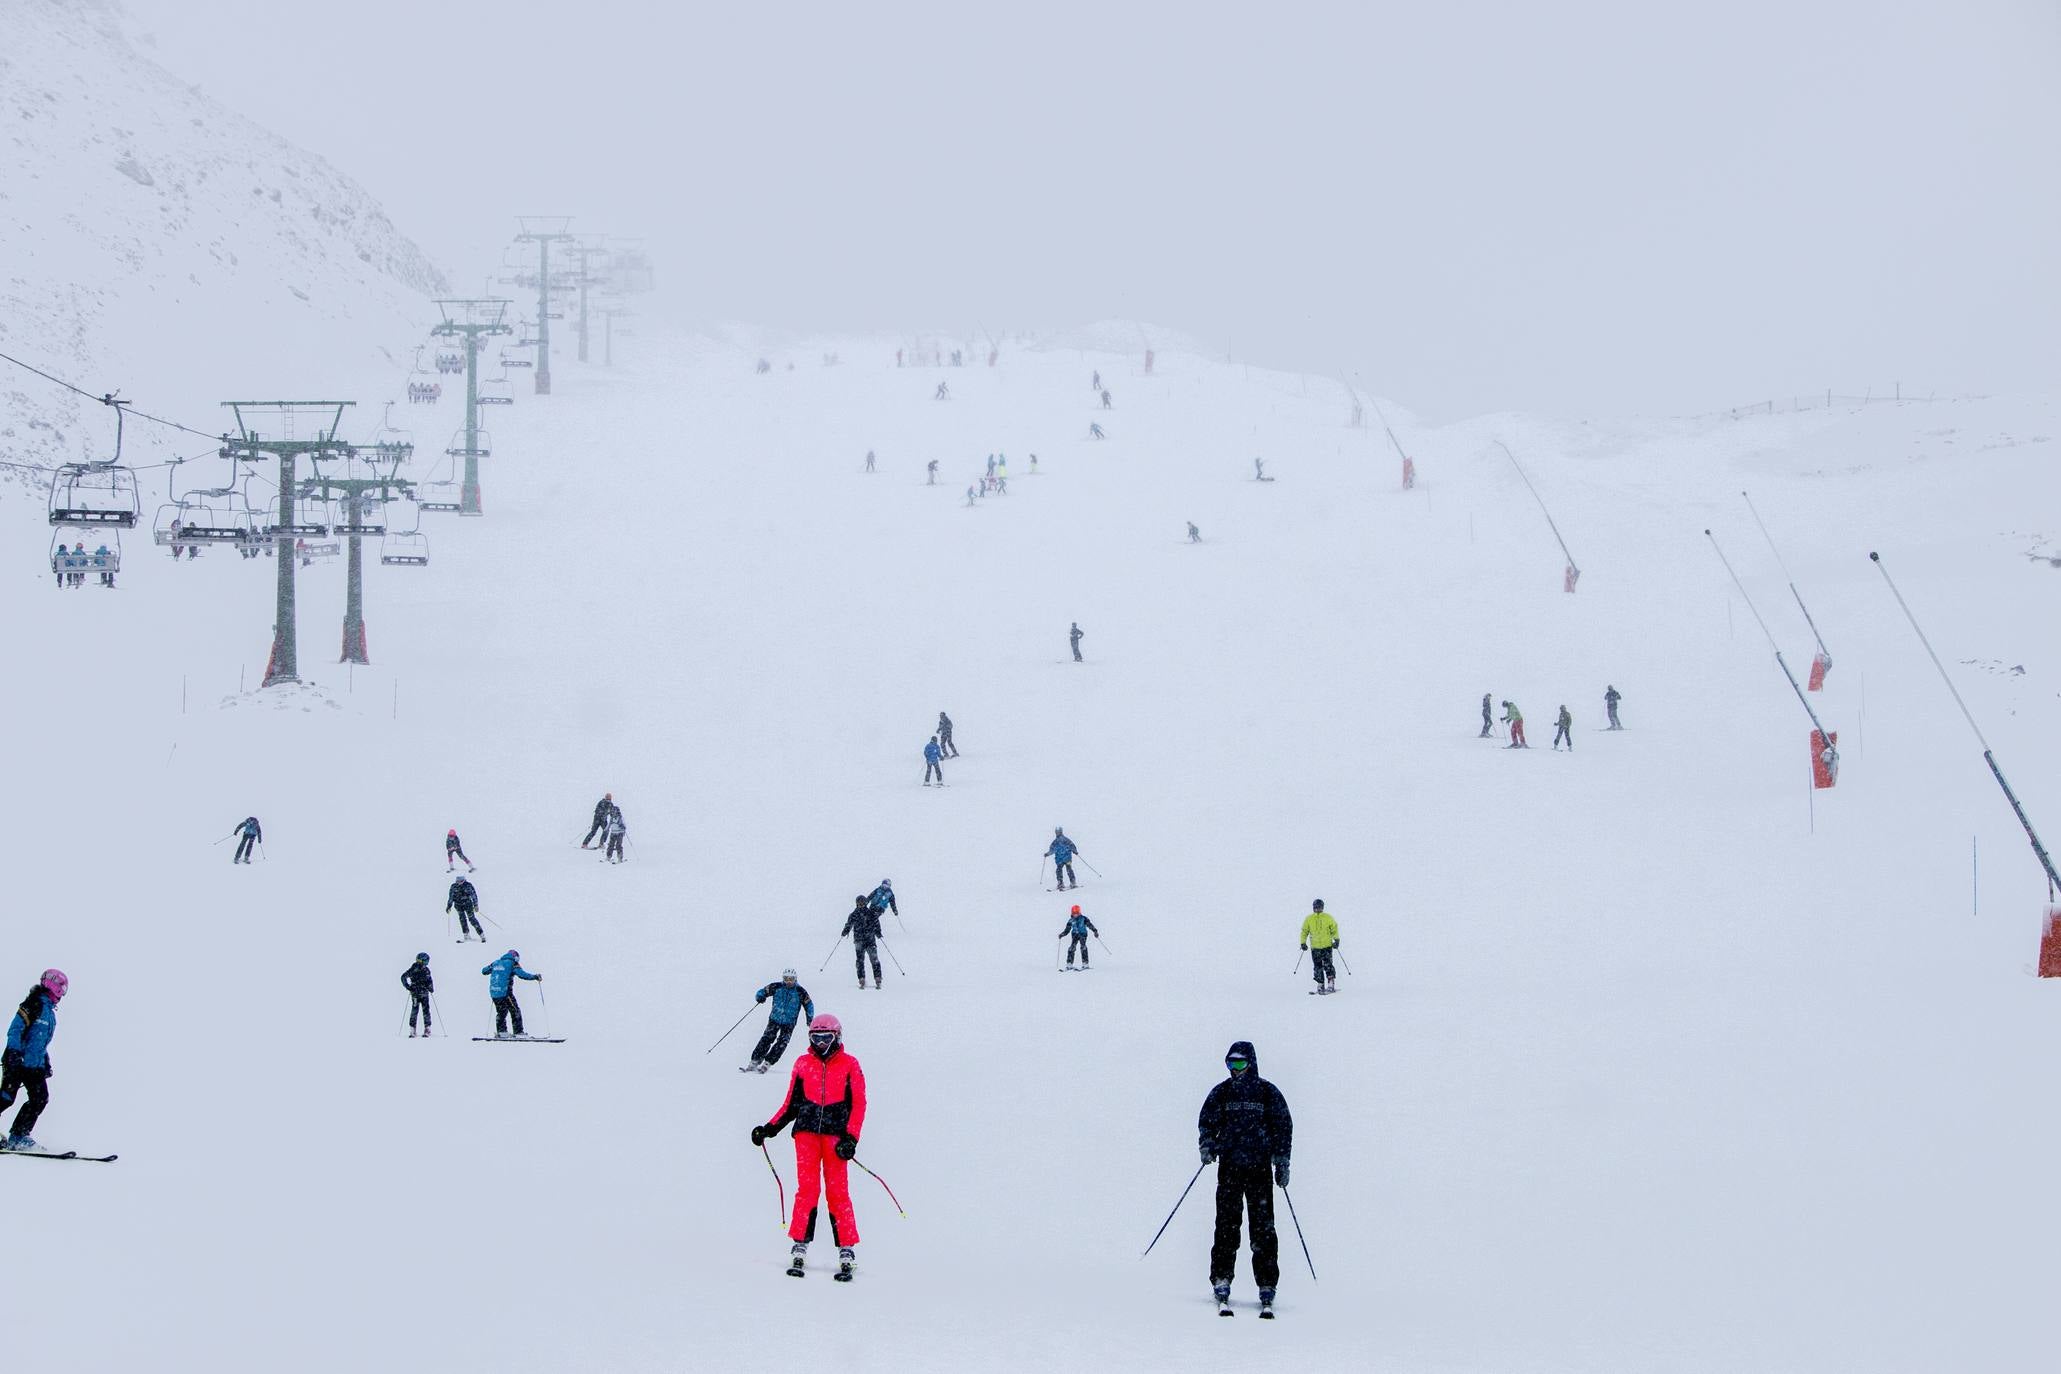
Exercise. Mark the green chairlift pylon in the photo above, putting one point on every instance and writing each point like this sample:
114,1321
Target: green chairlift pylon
381,461
470,321
301,429
543,230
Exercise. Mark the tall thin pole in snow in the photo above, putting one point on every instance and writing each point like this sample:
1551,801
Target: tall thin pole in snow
1572,566
1785,573
1988,755
1794,686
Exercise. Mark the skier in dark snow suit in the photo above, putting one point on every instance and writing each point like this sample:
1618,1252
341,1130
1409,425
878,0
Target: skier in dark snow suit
464,899
252,834
863,925
602,810
420,985
1079,928
1245,1129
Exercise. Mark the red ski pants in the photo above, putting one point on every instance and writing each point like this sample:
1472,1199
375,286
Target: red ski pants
814,1153
1517,733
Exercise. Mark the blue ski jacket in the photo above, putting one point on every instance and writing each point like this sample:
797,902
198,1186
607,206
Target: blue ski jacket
787,1001
1078,926
883,899
28,1034
502,973
931,753
1062,850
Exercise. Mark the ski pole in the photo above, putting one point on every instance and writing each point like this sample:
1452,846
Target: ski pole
898,919
1298,964
1298,1233
1041,868
777,1181
832,954
1105,948
489,920
1177,1207
261,852
1090,867
1341,959
543,1005
232,835
883,1183
437,1009
891,959
726,1034
1056,965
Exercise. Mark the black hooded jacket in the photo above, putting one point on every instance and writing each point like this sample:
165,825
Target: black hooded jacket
416,979
863,925
1245,1121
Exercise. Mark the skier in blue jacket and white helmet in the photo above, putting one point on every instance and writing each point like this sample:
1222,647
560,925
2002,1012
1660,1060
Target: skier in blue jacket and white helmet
501,976
790,1000
1062,851
882,898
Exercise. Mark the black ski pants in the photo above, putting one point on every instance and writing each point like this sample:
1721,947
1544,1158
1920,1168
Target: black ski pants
505,1010
932,770
1250,1187
469,915
615,848
419,1002
1064,872
1076,651
1561,736
1488,725
243,850
1612,708
456,851
773,1043
595,829
35,1083
1321,967
861,953
944,742
1078,942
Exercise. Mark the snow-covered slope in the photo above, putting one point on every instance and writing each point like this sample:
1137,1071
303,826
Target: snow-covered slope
1631,1071
163,247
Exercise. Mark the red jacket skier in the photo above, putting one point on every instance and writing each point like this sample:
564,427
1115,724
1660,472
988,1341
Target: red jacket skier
826,1101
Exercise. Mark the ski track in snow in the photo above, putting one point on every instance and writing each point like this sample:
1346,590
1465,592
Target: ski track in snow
1631,1072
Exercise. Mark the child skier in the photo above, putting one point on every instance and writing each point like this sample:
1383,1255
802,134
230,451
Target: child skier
454,850
464,899
1080,928
1563,729
1320,938
1514,718
933,758
420,985
27,1059
252,834
863,925
882,898
1061,851
615,832
501,976
826,1101
790,1001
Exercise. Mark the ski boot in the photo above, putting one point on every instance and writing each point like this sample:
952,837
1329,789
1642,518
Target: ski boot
795,1256
1222,1289
20,1142
748,1068
1331,985
763,1066
1266,1296
845,1260
876,982
411,1032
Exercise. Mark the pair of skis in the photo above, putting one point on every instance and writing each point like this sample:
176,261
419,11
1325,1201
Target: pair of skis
522,1039
61,1154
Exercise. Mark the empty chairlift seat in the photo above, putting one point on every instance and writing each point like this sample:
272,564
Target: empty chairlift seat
401,549
94,494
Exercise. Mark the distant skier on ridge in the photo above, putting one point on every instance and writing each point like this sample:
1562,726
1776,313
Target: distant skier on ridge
1611,696
1487,717
1073,638
1563,729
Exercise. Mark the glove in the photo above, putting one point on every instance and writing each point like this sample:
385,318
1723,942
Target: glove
758,1135
846,1147
1337,944
1208,1155
1304,947
1281,1171
12,1059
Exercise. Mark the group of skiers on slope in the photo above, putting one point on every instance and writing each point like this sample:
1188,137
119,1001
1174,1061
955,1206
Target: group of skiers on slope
27,1066
938,750
608,823
500,975
1563,731
863,925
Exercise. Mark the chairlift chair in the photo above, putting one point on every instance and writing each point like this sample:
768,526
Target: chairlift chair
496,391
65,563
94,494
405,549
193,522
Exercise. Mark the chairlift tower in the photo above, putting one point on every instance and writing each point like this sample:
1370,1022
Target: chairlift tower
587,248
300,428
543,230
383,461
472,320
610,311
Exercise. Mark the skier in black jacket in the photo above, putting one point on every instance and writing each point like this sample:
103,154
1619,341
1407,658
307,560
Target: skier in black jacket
603,809
863,925
1246,1130
464,899
420,985
944,736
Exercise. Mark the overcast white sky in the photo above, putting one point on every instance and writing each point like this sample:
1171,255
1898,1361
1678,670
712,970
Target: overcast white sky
1579,207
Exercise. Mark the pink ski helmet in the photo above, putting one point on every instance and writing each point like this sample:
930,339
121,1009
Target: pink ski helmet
55,983
824,1022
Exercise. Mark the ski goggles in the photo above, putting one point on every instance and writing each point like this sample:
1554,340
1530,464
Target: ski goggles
1237,1063
822,1040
